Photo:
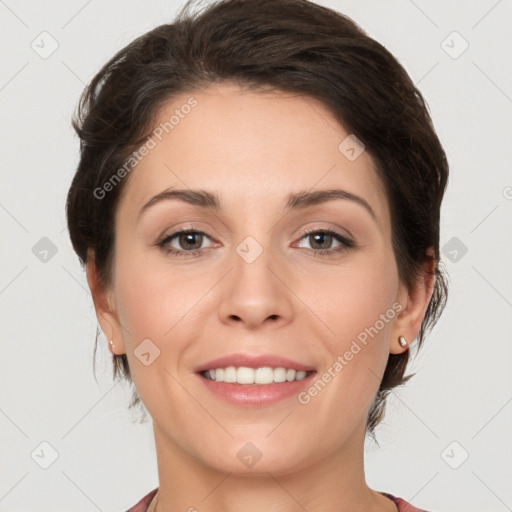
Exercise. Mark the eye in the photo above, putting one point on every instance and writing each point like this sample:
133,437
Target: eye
321,241
189,242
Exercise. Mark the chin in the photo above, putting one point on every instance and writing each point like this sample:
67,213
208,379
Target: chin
258,457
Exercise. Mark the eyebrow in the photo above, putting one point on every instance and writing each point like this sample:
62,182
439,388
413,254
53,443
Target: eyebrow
296,200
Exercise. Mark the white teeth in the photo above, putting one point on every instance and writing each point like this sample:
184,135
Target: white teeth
230,374
280,375
300,375
290,375
245,375
264,376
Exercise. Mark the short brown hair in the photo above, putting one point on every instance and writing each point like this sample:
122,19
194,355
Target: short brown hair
289,45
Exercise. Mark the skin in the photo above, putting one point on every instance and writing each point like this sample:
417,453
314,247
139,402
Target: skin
253,149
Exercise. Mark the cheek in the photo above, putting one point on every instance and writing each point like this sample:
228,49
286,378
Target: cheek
356,306
351,299
157,303
153,298
168,305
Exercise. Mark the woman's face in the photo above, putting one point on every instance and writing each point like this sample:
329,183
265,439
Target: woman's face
252,282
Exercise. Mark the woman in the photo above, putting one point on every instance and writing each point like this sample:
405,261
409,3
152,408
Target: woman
295,155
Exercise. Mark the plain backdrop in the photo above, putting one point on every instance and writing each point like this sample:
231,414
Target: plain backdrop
68,441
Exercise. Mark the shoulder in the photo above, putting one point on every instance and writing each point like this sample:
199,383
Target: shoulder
143,504
402,505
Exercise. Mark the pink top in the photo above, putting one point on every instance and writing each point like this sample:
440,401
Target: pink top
401,504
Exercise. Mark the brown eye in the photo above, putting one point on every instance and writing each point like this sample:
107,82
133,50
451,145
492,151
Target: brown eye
321,241
184,242
190,240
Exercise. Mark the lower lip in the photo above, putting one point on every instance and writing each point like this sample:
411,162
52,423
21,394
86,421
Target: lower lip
256,395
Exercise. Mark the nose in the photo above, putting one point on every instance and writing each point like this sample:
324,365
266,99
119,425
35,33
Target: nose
256,291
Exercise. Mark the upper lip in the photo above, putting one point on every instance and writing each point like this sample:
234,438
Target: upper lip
253,361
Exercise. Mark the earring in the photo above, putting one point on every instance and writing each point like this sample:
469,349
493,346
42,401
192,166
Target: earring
112,347
402,341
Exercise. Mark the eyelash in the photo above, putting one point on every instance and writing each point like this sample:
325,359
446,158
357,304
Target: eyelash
347,244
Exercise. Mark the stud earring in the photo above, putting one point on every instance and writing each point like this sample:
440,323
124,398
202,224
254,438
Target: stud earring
112,347
402,341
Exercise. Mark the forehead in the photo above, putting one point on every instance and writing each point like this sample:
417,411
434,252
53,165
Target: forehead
253,149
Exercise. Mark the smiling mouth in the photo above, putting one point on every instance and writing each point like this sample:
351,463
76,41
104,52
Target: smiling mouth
257,376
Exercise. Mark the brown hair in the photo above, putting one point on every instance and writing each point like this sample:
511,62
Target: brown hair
288,45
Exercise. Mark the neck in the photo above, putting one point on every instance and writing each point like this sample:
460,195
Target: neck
335,482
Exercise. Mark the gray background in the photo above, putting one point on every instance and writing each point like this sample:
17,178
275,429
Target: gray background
460,402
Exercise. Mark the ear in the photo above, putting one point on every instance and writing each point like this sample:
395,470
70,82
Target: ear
415,302
104,304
